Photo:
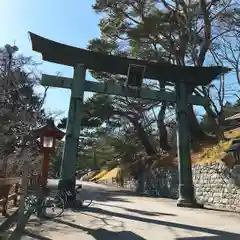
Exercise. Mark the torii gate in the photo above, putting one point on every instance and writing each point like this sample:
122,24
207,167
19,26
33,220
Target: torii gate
136,70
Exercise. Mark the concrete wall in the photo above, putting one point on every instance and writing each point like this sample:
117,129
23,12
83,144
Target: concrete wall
214,185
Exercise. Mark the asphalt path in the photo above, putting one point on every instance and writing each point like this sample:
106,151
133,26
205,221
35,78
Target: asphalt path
121,215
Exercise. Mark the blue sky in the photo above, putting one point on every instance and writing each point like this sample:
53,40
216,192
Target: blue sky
72,22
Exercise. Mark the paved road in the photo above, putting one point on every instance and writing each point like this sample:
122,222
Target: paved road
54,182
117,214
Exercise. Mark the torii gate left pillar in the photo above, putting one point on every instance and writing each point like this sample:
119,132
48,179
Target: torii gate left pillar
70,150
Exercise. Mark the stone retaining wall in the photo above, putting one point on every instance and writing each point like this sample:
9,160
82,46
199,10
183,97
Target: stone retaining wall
214,185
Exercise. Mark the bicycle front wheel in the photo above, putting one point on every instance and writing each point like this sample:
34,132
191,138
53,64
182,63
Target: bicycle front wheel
30,203
52,206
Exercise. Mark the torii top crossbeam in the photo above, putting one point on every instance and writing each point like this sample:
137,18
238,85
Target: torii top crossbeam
67,55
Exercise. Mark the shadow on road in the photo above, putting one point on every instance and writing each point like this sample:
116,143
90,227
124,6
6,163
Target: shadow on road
103,234
104,195
147,213
119,195
35,235
219,234
98,234
142,212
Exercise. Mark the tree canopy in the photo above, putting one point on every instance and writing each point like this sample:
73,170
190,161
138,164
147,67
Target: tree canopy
181,33
133,132
21,109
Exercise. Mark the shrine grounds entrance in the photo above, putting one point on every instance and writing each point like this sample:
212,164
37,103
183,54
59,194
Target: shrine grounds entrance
135,70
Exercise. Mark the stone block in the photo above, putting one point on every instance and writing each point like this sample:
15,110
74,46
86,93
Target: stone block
217,194
210,199
224,201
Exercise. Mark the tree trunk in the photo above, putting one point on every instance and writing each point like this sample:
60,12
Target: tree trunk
143,137
140,186
141,176
196,131
163,134
216,122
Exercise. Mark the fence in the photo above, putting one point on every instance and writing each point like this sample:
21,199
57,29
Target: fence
10,190
34,180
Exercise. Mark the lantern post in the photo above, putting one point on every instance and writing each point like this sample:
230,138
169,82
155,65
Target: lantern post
48,136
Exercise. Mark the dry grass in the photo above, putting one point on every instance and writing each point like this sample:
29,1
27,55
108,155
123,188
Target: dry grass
211,154
206,152
233,133
215,152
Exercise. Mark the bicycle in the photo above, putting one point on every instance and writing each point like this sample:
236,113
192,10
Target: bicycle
34,204
65,195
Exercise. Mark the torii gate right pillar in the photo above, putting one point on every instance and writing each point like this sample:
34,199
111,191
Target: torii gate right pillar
185,188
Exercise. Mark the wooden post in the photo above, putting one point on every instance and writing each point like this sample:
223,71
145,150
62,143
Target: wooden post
4,206
45,167
68,166
17,186
23,193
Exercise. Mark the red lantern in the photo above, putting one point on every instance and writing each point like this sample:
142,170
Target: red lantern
48,136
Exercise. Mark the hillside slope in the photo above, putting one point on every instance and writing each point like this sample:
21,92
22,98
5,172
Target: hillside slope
214,153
